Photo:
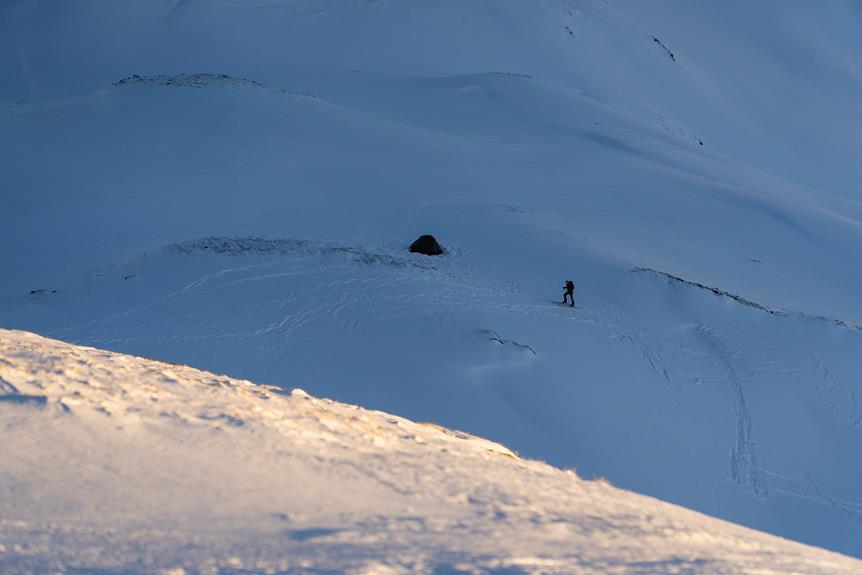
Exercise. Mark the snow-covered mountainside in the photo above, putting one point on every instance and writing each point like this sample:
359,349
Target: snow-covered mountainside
122,464
233,184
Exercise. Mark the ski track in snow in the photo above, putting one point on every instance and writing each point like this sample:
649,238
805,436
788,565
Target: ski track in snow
744,467
622,329
841,396
350,312
251,479
350,303
809,489
400,286
541,139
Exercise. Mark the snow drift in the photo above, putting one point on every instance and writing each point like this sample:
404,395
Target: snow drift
233,185
122,464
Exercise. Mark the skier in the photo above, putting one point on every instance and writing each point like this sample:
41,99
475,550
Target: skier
570,292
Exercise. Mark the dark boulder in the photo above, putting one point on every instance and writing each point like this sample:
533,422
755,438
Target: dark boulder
426,245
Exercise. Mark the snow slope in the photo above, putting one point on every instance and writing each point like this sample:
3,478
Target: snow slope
179,470
244,204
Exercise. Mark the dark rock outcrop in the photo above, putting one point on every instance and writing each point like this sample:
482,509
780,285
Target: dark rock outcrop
426,245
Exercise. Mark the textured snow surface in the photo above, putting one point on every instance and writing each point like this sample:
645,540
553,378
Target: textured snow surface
233,185
115,463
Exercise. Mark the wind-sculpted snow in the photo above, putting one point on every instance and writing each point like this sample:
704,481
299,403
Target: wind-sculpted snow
244,245
747,302
495,337
129,465
205,81
642,375
205,210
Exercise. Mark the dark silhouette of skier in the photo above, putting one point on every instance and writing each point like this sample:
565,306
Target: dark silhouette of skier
570,293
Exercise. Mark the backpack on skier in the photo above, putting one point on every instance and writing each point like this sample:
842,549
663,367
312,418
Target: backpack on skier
570,293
